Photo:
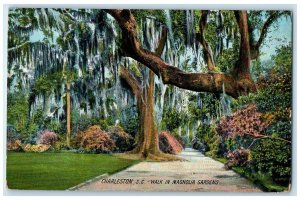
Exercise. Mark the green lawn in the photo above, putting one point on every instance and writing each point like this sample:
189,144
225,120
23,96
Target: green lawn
58,171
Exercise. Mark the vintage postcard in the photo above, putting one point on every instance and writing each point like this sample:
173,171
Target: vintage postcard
149,100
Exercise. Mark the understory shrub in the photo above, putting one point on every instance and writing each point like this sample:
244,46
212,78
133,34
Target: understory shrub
14,145
105,123
37,148
60,145
31,139
131,126
122,140
198,145
274,158
94,140
47,137
168,143
80,123
181,140
238,157
216,146
18,146
12,134
209,141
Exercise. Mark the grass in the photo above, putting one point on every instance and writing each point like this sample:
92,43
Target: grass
261,180
58,171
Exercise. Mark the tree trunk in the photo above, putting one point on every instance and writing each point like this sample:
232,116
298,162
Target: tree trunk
148,140
68,114
148,134
147,144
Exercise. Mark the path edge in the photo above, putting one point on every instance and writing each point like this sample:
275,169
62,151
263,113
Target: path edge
97,178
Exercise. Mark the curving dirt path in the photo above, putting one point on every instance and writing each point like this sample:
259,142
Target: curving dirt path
198,174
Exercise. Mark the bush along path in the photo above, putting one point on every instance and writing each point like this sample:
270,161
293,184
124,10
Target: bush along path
197,174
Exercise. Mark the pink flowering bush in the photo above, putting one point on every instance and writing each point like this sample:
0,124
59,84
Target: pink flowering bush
95,140
47,137
247,121
168,143
238,157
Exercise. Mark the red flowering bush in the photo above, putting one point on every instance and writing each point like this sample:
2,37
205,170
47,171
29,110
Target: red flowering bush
123,140
238,157
168,143
95,140
47,137
247,121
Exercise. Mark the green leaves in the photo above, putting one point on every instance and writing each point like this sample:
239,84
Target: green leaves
17,110
24,21
274,158
173,118
283,58
46,83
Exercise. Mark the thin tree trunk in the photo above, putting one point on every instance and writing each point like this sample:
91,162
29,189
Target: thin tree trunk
68,114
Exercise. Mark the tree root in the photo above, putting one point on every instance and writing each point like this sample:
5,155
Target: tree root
150,157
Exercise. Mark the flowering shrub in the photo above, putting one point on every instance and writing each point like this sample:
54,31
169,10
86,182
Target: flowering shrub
238,157
123,140
95,140
14,145
47,137
36,148
18,146
247,121
168,143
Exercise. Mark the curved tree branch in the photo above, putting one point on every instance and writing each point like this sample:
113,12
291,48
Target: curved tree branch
237,83
24,44
130,80
264,31
18,46
260,137
66,13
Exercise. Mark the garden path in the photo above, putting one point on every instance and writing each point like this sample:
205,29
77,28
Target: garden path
201,174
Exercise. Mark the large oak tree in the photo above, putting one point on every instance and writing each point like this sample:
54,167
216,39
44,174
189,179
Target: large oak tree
236,83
